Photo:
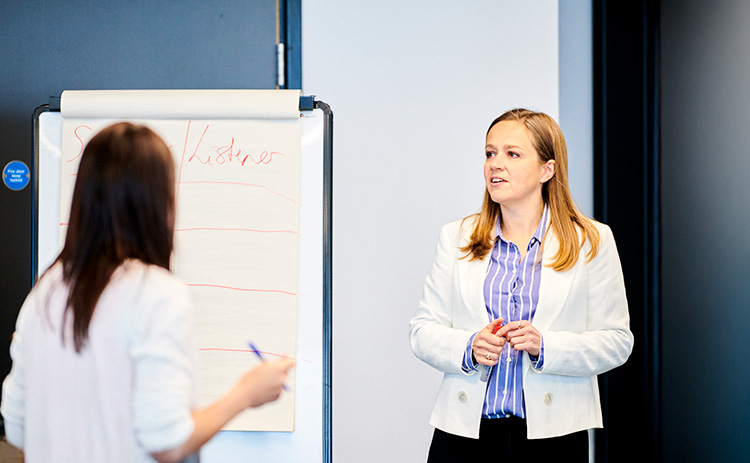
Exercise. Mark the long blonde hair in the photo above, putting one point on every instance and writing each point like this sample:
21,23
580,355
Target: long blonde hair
549,143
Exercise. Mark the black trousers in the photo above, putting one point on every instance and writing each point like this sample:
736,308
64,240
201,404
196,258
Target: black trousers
504,439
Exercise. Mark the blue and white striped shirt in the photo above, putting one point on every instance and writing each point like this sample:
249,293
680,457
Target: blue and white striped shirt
511,291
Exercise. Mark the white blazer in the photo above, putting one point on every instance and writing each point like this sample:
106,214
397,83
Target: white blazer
582,315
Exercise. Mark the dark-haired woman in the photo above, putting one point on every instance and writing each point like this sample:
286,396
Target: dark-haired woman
103,352
523,307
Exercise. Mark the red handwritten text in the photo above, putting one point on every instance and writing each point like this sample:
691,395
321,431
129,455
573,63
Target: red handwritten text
230,154
80,141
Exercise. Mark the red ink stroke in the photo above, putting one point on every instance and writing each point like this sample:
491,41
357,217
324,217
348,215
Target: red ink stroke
80,141
217,349
199,285
184,151
233,229
244,184
228,153
182,161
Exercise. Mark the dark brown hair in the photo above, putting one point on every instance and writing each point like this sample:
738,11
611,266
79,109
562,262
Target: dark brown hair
123,208
571,227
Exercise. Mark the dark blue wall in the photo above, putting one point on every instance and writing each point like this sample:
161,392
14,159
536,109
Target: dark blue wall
705,167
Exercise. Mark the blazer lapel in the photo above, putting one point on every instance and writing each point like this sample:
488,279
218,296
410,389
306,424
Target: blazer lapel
471,275
554,287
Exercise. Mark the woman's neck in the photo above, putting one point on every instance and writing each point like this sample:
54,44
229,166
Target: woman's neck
521,223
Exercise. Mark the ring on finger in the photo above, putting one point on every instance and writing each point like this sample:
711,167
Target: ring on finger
489,356
519,324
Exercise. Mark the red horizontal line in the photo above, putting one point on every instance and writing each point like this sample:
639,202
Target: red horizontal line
207,349
240,350
243,289
234,229
64,224
243,184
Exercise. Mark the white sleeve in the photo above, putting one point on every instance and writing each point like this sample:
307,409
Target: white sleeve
14,390
607,341
433,337
163,350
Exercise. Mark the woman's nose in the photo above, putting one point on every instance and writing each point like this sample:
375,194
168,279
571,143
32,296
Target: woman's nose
496,163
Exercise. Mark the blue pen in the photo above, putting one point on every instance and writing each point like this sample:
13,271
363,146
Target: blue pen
260,356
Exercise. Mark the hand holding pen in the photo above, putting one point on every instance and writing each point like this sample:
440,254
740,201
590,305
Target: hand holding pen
265,382
487,347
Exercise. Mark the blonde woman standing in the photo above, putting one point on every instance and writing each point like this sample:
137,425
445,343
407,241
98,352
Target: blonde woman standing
523,307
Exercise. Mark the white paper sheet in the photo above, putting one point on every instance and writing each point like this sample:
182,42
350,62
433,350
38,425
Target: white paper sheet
237,156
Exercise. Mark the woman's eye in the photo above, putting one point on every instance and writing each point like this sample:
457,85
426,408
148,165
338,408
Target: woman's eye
512,154
489,154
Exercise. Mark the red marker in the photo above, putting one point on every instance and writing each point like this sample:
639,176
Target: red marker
487,369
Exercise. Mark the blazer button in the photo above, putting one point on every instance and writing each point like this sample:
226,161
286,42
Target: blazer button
548,398
462,397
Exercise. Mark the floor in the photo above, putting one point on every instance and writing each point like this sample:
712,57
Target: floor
9,454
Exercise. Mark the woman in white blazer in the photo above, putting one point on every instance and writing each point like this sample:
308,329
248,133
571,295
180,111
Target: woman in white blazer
523,307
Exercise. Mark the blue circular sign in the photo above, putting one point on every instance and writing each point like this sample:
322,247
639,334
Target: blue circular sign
16,175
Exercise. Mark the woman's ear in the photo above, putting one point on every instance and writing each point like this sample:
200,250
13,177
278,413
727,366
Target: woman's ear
548,170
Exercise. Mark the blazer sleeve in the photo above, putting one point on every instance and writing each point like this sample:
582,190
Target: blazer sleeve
14,386
604,341
162,349
433,335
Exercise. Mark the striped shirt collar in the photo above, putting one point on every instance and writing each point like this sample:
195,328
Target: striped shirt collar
538,234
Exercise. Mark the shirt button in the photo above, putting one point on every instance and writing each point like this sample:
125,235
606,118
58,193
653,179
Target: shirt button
507,359
462,397
507,415
548,398
514,271
505,392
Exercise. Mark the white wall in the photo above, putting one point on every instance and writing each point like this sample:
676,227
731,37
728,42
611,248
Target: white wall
413,87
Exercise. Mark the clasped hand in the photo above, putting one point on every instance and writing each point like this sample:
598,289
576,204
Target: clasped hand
490,341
